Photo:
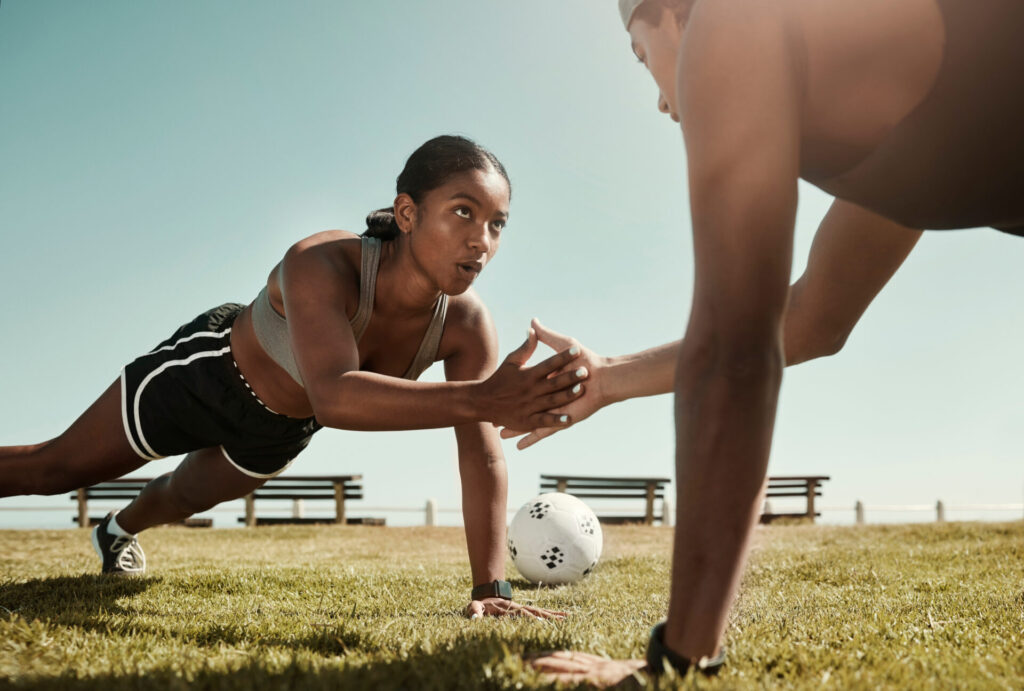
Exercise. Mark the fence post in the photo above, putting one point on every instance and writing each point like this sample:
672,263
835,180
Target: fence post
858,510
940,511
668,515
431,512
298,508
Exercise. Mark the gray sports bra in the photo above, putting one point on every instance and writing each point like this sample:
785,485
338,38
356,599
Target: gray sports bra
272,328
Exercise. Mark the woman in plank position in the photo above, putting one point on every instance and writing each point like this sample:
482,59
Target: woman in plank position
910,114
336,338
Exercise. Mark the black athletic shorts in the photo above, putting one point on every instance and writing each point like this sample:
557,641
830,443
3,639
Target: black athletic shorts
188,394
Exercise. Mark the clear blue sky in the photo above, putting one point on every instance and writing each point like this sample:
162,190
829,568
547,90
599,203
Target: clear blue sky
157,159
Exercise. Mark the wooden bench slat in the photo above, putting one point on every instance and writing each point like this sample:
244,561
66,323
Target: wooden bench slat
315,520
600,485
270,498
608,495
598,478
337,488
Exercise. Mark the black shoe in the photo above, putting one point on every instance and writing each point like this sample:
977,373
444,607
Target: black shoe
120,553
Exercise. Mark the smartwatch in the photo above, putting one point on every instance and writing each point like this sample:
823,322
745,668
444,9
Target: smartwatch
502,589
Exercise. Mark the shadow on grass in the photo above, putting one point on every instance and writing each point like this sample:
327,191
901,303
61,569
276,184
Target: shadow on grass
69,599
465,663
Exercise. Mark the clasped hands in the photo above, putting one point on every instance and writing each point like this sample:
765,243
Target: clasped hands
572,403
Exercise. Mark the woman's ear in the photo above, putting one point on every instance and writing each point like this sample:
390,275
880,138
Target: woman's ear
405,212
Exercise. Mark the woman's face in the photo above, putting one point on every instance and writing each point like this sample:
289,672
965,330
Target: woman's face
457,227
657,46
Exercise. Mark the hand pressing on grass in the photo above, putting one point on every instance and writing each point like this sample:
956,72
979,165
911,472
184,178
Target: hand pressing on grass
500,607
571,667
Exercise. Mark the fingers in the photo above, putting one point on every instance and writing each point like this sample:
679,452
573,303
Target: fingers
534,437
565,380
551,338
475,610
557,361
545,613
557,420
530,439
520,355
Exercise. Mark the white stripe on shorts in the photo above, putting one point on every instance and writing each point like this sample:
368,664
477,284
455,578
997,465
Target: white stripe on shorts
158,370
198,334
250,473
124,420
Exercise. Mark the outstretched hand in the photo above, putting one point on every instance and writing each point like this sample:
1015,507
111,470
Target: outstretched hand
500,607
572,667
581,407
521,397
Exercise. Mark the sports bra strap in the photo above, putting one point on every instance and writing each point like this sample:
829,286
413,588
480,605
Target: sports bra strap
427,353
367,286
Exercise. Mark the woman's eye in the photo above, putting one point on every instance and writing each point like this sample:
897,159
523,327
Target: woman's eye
498,225
462,212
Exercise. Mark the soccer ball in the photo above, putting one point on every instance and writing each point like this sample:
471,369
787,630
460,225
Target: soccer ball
555,538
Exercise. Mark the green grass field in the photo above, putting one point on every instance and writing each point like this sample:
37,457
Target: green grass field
929,606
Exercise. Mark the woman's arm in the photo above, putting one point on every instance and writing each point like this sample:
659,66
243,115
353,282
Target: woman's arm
854,254
471,336
314,291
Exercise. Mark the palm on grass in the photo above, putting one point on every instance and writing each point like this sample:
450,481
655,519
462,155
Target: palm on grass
572,667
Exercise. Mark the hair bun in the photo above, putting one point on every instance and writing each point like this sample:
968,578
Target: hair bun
381,224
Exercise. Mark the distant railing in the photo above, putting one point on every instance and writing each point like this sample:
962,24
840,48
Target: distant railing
859,512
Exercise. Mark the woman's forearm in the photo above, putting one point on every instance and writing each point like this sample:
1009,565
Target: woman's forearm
484,502
367,401
647,373
725,413
653,371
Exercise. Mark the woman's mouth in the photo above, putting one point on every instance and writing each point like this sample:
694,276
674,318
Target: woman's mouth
470,270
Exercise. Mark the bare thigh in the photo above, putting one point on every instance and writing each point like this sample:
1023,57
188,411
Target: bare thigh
207,478
201,481
94,448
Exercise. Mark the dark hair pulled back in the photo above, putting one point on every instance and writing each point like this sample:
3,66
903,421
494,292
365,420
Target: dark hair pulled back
429,167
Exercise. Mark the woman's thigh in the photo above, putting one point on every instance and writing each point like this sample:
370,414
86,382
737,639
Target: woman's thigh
206,478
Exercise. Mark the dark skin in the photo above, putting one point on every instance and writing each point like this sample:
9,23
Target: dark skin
446,240
764,92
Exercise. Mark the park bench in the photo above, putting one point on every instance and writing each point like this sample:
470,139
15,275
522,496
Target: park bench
779,486
122,489
300,488
297,489
589,487
807,486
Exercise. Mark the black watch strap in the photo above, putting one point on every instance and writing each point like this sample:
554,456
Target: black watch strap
658,654
502,589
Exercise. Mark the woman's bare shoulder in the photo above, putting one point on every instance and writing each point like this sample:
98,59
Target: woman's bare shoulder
326,263
467,324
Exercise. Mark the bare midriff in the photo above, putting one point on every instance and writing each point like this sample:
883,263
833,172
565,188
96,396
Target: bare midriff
269,381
